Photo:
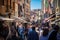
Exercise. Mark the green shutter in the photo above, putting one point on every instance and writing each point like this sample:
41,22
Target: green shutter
46,3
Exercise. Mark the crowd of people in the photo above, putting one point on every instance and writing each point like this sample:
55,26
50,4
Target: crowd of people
27,31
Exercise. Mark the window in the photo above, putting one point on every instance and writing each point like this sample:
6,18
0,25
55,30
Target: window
7,6
59,3
21,8
1,2
18,9
26,1
10,4
23,5
13,5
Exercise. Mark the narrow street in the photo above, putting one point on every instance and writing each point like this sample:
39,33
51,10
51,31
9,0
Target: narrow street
29,19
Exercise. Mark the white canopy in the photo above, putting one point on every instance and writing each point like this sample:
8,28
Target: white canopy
8,19
21,19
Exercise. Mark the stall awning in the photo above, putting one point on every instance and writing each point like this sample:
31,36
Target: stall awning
8,19
58,20
20,19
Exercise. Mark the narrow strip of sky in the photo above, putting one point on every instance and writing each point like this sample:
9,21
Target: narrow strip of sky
35,4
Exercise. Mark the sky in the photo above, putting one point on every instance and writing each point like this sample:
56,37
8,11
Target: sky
35,4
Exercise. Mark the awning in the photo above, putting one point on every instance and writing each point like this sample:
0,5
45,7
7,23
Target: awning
58,20
20,19
8,19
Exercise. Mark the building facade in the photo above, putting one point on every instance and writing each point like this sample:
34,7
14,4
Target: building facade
8,8
56,3
36,15
54,6
45,8
18,8
24,8
51,9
